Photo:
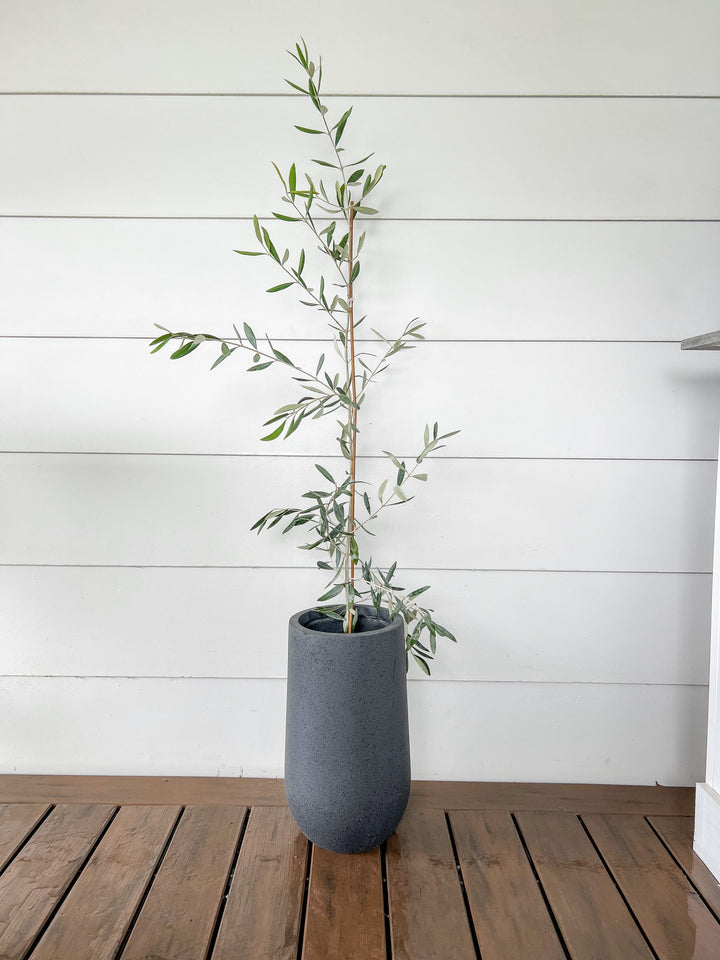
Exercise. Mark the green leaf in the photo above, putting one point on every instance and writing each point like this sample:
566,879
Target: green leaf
280,176
366,501
250,335
292,180
275,434
332,614
368,211
256,225
250,253
340,125
282,216
219,360
334,592
159,342
301,262
354,177
296,87
420,476
422,664
280,286
293,427
184,350
270,247
260,366
325,473
306,129
355,272
357,163
416,593
281,356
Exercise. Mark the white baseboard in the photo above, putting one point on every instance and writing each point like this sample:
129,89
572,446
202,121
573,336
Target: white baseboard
707,827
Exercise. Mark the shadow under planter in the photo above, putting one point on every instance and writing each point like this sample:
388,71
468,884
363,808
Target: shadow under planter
347,749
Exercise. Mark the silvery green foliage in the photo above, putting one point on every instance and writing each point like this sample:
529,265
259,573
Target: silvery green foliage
334,515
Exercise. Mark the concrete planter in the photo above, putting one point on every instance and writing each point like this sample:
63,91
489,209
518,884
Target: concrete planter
347,752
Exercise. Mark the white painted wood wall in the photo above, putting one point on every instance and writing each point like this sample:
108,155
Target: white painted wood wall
707,794
551,209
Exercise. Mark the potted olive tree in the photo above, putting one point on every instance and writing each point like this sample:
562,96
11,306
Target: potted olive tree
347,766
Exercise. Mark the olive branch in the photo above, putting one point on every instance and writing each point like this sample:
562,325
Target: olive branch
335,515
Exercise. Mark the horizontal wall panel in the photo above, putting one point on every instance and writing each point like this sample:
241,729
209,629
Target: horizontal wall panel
508,400
478,514
561,627
459,731
558,733
150,727
189,156
567,281
464,47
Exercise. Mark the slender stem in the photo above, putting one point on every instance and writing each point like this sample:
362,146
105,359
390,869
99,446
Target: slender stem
348,213
311,224
353,385
352,433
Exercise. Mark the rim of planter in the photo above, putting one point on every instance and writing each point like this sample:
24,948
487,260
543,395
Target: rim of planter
371,622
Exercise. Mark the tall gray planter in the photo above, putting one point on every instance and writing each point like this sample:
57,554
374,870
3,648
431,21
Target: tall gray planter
347,751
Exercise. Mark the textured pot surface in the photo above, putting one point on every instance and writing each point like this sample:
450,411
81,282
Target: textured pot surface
347,752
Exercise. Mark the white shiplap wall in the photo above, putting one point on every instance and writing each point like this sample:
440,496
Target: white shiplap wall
551,209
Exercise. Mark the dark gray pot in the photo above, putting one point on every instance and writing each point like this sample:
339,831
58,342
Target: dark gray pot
347,752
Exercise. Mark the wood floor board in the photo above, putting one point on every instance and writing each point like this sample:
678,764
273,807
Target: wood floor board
345,915
592,917
261,920
235,791
570,797
428,919
508,910
425,794
677,833
42,871
94,917
17,820
676,921
179,914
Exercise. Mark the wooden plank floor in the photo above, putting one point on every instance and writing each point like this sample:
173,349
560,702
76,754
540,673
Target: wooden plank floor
190,869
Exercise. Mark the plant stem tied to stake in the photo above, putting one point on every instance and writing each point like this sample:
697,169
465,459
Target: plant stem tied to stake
353,381
332,515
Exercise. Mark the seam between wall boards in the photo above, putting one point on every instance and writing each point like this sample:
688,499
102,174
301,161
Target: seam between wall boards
327,456
248,217
261,567
278,95
410,679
